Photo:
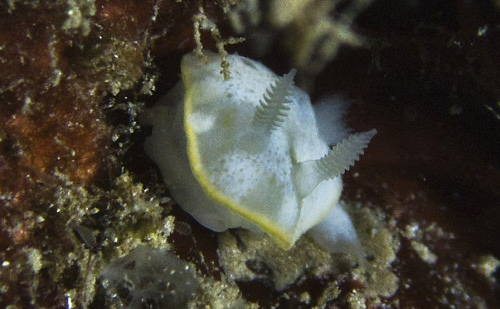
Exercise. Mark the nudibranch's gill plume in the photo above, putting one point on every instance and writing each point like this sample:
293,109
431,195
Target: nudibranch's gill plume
309,174
272,110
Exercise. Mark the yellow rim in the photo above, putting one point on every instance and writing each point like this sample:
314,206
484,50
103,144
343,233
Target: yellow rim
199,172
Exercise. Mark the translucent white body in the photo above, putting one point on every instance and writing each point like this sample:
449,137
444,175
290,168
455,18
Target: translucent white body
228,172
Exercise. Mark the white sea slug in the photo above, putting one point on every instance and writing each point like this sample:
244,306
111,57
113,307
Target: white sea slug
248,152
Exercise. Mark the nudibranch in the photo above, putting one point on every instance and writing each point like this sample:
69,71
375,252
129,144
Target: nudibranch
248,152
